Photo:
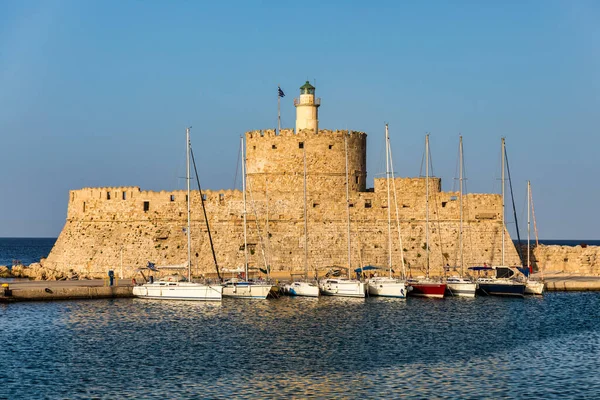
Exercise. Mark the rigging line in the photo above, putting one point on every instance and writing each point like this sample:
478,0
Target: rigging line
456,173
437,211
535,230
237,167
260,238
397,214
212,248
512,196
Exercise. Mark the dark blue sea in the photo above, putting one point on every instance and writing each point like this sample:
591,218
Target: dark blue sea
537,347
24,250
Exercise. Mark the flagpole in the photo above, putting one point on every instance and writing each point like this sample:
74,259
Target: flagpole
278,110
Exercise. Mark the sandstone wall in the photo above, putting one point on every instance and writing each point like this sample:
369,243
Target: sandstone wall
576,260
276,162
105,224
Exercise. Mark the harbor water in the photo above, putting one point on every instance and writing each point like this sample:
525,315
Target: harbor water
297,347
486,347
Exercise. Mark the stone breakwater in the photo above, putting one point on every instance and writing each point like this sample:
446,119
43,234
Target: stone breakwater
36,271
574,260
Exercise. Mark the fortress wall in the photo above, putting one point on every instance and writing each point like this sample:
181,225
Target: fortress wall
576,260
92,240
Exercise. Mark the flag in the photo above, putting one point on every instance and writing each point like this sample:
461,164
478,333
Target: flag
151,266
280,92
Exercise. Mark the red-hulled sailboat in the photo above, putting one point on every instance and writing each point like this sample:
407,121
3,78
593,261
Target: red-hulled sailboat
427,287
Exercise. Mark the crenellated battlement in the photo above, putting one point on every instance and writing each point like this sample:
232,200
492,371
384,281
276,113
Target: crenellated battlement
287,132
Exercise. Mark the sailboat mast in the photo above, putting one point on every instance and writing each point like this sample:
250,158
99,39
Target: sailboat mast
503,216
528,221
427,202
189,200
387,178
347,203
244,199
268,246
460,233
305,218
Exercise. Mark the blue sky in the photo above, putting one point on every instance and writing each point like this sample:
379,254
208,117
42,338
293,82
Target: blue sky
98,93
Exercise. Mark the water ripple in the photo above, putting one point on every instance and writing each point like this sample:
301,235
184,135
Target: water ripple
303,348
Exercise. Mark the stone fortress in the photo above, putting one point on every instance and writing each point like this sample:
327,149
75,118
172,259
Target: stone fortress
122,228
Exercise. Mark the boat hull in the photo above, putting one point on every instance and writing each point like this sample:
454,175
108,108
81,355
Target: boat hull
387,288
426,289
534,287
179,291
301,289
462,289
248,290
343,288
501,289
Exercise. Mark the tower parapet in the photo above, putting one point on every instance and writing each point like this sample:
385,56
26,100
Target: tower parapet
276,162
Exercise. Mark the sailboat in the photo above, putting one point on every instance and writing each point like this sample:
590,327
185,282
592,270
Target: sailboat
303,287
531,286
459,285
505,283
345,287
245,288
173,290
387,286
427,287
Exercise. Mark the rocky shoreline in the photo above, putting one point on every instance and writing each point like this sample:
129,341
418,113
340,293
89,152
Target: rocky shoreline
37,272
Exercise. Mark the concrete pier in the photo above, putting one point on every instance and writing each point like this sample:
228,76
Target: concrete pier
562,283
62,290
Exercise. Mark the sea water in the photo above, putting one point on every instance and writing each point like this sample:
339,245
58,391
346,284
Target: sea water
537,347
486,347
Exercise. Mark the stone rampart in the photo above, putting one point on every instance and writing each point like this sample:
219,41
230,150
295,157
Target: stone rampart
575,260
105,225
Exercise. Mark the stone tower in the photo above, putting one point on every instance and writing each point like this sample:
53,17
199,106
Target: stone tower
307,109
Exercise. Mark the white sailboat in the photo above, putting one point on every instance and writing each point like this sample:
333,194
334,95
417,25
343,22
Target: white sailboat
532,286
245,288
459,285
345,287
388,286
170,290
303,287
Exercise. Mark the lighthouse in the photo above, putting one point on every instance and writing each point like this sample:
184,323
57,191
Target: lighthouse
307,109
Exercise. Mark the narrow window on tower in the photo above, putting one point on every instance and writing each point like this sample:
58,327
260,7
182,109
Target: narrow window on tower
367,203
357,180
330,146
273,147
172,197
107,195
146,206
124,195
301,145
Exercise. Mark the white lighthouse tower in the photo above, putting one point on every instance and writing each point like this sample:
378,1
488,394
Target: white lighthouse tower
307,109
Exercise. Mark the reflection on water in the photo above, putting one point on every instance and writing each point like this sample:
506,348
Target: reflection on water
303,347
